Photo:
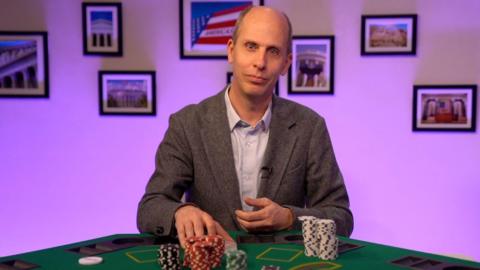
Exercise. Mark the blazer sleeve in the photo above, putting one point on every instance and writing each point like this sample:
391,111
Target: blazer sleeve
172,176
326,194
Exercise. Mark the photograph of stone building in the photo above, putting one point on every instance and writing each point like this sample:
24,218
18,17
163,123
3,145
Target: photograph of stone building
102,29
101,23
389,34
393,35
18,64
444,108
310,65
127,94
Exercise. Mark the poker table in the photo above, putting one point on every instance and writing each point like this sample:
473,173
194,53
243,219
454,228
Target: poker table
284,249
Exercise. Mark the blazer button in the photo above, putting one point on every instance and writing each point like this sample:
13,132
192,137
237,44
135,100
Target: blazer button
160,230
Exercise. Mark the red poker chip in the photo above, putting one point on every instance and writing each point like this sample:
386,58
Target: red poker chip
204,253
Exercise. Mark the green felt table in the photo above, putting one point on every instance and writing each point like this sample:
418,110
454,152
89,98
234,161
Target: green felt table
285,255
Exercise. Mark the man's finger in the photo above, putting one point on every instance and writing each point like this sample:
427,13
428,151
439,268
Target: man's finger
251,215
255,225
181,234
210,224
198,227
189,229
259,202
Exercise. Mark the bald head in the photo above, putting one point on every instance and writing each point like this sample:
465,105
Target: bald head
261,9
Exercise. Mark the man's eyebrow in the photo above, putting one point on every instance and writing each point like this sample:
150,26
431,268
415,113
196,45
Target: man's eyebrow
269,47
249,41
274,47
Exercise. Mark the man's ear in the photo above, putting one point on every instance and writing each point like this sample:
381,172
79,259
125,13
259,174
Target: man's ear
230,50
288,62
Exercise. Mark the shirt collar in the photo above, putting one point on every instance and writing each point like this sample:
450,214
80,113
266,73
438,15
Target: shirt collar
234,119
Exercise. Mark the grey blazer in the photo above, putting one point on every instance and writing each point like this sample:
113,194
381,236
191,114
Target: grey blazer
300,170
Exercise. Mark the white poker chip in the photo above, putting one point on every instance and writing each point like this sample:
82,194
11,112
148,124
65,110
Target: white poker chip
91,260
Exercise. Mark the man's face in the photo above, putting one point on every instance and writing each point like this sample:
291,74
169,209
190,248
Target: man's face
260,54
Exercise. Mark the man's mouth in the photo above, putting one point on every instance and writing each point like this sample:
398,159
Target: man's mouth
257,79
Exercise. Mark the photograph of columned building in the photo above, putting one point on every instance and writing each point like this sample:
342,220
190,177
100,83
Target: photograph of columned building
393,35
18,64
310,66
101,23
127,94
444,108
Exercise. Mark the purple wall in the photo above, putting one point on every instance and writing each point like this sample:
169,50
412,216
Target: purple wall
67,174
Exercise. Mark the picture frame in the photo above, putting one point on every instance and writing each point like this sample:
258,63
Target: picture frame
127,92
102,29
312,69
214,22
230,76
444,107
24,71
389,34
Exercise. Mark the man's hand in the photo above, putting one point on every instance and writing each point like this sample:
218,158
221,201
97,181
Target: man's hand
192,221
270,217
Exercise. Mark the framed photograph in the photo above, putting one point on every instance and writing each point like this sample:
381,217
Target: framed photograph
444,107
102,29
23,64
127,92
312,66
389,34
207,25
230,76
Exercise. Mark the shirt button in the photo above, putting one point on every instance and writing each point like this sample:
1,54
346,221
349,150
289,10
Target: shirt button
160,230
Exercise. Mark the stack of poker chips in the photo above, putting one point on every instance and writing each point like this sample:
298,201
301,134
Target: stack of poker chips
203,252
169,256
328,248
236,260
310,238
319,237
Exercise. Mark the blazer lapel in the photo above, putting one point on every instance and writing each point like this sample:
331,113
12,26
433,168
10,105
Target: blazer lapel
218,146
280,145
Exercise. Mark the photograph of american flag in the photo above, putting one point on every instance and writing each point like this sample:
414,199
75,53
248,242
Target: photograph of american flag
207,25
213,23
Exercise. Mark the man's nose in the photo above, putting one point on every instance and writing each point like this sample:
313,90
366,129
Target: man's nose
260,59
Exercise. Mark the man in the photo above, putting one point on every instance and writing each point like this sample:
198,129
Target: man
250,160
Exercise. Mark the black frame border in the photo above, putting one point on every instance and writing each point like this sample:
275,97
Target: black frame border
44,35
152,73
413,17
471,87
118,6
331,79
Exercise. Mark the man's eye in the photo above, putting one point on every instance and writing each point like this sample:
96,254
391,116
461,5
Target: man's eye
275,51
251,45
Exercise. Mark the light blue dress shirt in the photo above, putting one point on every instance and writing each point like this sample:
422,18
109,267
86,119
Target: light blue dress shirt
249,144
